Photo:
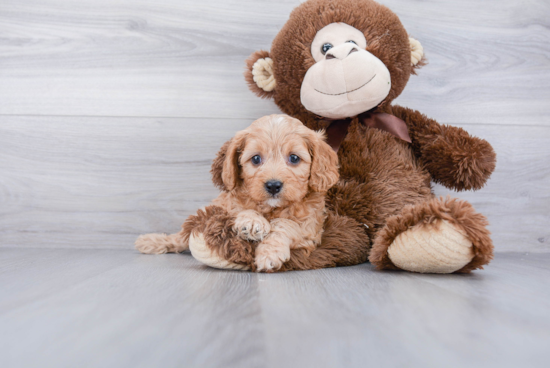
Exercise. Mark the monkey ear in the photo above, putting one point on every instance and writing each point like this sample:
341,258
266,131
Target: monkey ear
417,55
259,74
324,163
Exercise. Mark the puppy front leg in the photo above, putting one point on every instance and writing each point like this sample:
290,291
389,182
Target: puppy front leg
274,250
252,226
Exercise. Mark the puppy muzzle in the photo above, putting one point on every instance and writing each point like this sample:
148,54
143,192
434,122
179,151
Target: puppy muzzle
273,187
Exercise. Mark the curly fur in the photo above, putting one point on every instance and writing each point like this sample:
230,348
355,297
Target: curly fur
247,223
343,242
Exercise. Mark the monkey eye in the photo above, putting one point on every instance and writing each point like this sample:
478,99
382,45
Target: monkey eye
256,160
327,46
294,159
352,41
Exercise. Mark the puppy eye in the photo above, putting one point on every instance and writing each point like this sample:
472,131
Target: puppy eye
352,41
294,159
256,160
325,48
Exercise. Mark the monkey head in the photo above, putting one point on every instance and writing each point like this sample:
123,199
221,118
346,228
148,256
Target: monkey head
335,59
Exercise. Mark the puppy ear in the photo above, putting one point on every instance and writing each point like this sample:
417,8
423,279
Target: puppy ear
324,163
259,74
217,166
230,173
417,55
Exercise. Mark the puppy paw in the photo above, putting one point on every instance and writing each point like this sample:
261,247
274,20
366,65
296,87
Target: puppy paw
271,257
252,226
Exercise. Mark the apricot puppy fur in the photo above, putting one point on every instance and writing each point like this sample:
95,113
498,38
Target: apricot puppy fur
275,177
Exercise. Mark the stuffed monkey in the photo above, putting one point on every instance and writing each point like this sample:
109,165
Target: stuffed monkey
338,65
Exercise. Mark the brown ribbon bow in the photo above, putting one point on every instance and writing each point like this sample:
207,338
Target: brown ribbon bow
338,129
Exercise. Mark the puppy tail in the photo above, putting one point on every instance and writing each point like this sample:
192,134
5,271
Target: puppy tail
162,243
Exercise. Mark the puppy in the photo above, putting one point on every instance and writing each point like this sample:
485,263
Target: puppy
274,178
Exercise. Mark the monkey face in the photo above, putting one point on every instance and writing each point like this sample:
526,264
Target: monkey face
335,59
346,80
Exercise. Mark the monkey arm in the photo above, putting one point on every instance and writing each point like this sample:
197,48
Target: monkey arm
453,157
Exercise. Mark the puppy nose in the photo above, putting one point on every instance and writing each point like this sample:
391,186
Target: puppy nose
273,186
341,51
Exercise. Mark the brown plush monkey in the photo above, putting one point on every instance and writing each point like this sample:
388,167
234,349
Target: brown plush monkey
338,65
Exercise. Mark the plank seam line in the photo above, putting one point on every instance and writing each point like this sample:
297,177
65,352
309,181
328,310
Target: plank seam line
542,125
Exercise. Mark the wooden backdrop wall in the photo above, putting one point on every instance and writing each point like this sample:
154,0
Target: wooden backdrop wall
111,110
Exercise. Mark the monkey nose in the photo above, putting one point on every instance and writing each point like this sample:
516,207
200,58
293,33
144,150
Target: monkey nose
273,186
341,51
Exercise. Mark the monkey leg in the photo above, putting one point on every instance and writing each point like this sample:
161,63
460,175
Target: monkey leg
436,236
213,242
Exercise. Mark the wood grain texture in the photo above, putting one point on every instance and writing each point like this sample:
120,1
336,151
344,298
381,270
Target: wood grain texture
489,60
102,181
80,309
109,308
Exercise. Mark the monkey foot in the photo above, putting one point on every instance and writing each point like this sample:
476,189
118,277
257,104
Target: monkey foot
437,236
441,248
202,253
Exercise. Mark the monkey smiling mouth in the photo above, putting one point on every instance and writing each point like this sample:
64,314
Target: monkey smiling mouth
343,93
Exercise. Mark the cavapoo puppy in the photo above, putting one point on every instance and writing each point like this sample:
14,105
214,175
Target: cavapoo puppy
274,177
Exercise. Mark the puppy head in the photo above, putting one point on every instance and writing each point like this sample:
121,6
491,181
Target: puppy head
277,160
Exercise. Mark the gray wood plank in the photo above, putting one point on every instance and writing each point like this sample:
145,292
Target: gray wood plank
99,182
358,315
127,315
488,60
142,58
185,59
76,307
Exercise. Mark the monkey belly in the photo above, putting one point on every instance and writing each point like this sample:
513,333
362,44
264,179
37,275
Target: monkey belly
379,176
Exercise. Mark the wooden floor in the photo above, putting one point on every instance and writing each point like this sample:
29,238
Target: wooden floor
110,114
115,308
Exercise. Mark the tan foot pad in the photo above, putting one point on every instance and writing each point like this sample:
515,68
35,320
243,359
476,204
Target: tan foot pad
428,249
203,254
